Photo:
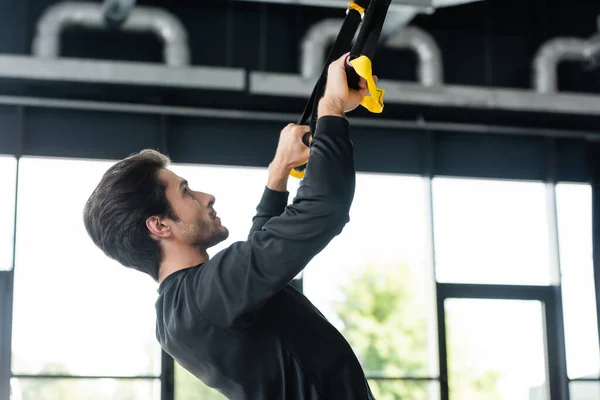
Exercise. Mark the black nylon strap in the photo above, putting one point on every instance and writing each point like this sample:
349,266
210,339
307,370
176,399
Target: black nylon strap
368,37
341,45
366,44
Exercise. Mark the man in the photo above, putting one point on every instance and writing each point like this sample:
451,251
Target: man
234,321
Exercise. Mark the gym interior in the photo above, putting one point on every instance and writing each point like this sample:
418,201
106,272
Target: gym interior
470,268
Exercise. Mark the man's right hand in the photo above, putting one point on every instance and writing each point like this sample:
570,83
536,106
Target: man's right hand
339,98
291,151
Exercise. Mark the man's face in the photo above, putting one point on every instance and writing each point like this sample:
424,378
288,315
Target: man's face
198,224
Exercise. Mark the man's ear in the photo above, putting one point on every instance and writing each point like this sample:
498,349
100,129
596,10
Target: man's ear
158,228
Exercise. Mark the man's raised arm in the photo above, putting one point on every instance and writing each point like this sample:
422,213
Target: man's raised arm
290,153
241,278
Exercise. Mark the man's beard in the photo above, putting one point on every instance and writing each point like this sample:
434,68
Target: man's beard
204,235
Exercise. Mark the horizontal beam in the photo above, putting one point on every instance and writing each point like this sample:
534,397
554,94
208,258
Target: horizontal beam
143,377
285,85
292,85
118,72
420,5
403,378
484,291
585,380
287,117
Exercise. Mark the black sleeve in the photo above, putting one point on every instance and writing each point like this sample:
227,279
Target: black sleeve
271,204
238,280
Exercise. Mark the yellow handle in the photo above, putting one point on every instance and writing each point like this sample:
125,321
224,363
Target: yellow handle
297,174
374,101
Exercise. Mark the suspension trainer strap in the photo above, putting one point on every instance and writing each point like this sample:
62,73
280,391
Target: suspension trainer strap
341,45
343,42
358,64
360,60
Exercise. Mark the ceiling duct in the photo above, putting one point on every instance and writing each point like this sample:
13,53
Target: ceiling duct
62,15
321,34
46,63
429,64
314,45
555,51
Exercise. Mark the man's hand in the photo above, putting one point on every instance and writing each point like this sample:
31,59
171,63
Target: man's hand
339,98
291,152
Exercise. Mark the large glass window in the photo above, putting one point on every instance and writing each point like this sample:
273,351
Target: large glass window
8,175
76,312
391,389
496,350
574,209
374,283
491,232
88,389
585,390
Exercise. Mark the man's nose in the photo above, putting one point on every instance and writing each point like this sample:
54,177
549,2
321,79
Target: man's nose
208,199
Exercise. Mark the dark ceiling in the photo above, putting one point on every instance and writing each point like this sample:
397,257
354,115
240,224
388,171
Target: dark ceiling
489,43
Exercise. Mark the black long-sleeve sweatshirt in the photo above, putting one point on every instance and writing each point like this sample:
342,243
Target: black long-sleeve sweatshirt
236,323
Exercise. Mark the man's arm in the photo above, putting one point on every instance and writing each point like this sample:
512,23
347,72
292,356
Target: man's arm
275,196
240,279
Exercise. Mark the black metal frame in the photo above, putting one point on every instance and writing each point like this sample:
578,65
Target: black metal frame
549,296
247,139
75,377
593,157
5,332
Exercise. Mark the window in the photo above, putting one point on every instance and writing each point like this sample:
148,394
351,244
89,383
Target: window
375,284
76,312
390,389
585,390
496,349
88,389
491,232
187,386
574,209
8,180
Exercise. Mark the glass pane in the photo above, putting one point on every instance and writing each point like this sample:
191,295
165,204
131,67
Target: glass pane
8,181
97,317
187,386
405,390
484,338
574,206
493,232
585,390
374,281
88,389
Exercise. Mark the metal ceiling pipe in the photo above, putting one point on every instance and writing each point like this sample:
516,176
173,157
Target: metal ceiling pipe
314,44
62,15
554,51
396,19
323,33
429,67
